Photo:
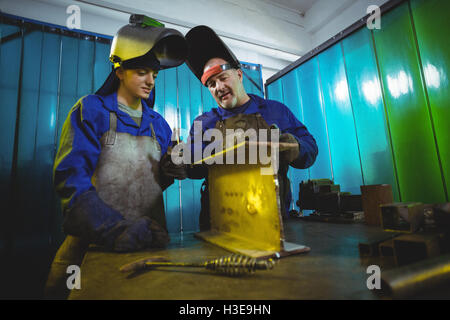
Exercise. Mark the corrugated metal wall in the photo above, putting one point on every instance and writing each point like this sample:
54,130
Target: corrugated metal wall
45,70
378,104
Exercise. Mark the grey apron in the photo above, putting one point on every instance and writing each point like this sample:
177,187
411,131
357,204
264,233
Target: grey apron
127,174
127,179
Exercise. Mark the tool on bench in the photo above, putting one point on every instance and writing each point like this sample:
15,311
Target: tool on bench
233,265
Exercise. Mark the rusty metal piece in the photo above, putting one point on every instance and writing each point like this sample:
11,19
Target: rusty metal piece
372,196
409,248
402,216
371,247
412,279
386,248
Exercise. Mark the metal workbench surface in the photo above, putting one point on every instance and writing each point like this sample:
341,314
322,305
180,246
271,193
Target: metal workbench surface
331,270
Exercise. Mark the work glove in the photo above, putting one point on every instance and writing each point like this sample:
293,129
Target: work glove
94,221
170,169
142,233
291,154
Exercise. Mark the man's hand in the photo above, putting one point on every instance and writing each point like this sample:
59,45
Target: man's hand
170,169
290,154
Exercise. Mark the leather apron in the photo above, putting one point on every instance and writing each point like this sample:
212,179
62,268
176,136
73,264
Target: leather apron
127,179
243,121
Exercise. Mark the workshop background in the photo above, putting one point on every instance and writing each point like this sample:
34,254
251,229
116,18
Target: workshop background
377,101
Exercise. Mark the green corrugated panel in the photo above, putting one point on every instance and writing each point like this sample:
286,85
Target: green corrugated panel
413,142
432,23
368,110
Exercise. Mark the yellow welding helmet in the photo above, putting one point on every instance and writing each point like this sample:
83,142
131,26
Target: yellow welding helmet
144,42
146,39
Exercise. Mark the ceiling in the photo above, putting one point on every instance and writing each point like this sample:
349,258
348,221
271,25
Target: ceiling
299,6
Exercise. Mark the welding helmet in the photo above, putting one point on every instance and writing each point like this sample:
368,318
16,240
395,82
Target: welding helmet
144,43
204,44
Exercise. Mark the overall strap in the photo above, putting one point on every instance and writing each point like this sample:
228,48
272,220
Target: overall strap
111,136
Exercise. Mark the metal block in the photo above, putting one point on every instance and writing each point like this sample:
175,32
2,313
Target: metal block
441,215
351,202
328,202
386,248
372,196
308,191
405,216
371,247
409,248
329,188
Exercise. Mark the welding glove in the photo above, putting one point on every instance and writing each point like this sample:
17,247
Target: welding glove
142,233
291,154
94,221
170,169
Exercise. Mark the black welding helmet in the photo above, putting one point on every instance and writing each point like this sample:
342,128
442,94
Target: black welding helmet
204,44
144,43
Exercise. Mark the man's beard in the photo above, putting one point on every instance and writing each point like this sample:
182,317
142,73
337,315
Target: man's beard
230,104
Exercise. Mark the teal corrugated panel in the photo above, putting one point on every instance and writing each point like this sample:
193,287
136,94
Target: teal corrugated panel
339,115
291,97
314,117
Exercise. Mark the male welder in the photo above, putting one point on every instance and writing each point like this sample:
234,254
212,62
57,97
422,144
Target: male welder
217,68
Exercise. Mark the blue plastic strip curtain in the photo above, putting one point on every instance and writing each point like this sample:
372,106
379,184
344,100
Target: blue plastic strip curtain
10,64
252,78
48,70
290,84
314,117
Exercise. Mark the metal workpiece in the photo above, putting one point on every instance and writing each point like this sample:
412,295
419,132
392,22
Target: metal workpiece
386,248
351,202
410,280
410,248
372,196
233,265
245,211
371,247
441,216
402,216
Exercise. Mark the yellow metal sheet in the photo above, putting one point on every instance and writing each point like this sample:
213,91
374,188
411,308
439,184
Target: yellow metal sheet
245,215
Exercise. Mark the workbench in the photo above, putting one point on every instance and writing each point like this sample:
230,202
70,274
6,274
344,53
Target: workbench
331,270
